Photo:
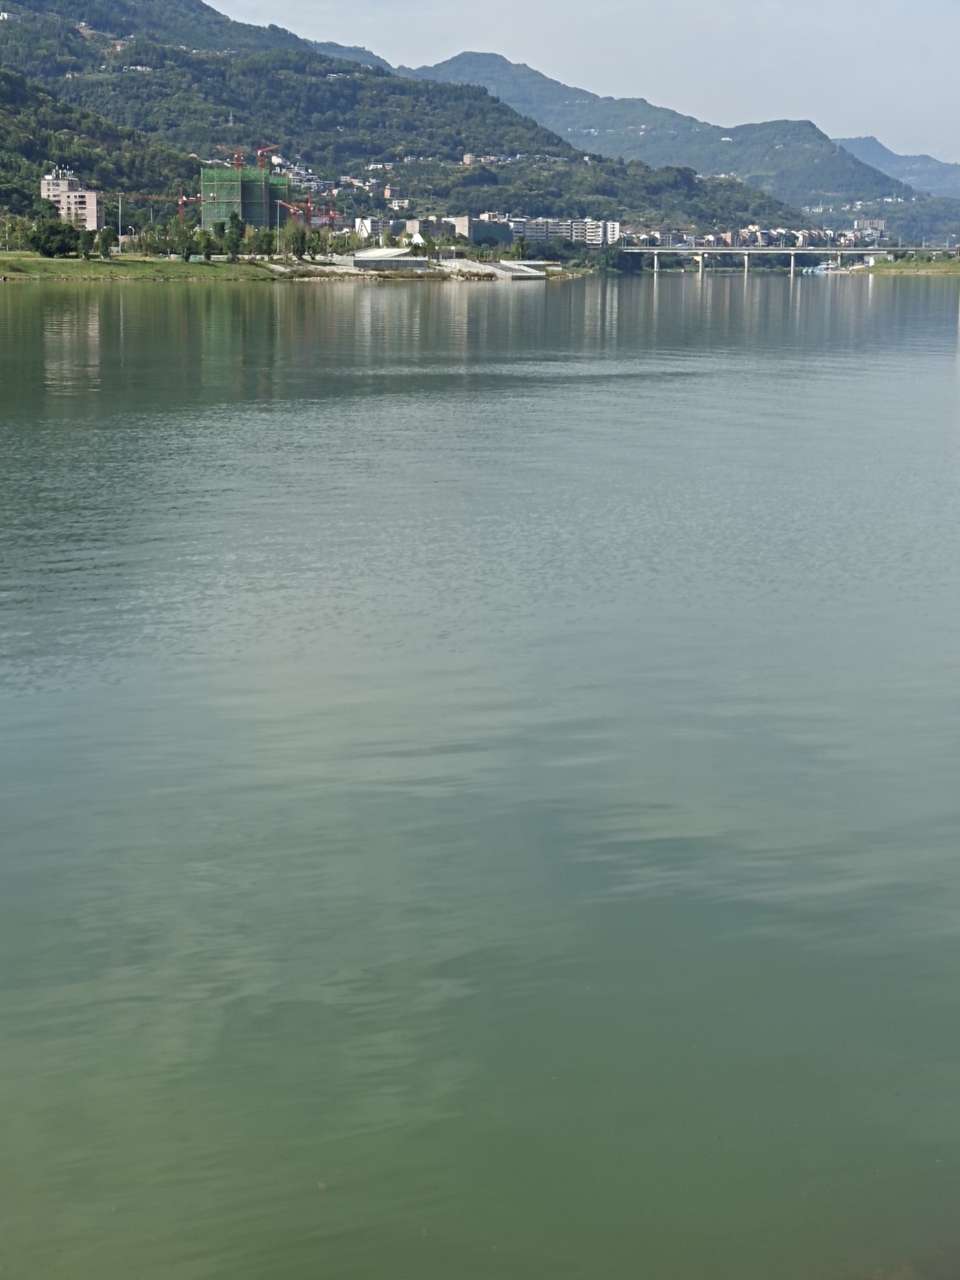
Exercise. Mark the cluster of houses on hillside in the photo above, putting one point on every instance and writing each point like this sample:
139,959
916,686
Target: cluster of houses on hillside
393,218
595,233
84,208
865,231
491,228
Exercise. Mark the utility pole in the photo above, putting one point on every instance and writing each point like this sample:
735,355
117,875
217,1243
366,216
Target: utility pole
119,219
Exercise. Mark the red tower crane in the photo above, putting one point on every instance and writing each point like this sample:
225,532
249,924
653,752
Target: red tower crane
263,152
302,211
183,201
179,200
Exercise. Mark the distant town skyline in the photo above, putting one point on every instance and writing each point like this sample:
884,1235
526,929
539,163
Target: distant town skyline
888,70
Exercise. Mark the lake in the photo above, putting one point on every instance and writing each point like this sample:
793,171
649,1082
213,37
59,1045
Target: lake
479,777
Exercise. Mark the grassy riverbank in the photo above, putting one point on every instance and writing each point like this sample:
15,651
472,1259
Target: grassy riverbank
918,267
26,267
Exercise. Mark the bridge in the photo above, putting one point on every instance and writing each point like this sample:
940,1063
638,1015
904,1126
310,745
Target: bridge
700,253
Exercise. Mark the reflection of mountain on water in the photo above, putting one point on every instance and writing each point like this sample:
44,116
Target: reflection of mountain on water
170,347
478,768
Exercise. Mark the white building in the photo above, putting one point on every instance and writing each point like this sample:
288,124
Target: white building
462,225
77,205
589,231
375,228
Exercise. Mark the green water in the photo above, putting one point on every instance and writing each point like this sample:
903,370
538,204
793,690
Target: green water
479,781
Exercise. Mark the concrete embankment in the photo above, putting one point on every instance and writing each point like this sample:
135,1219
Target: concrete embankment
26,267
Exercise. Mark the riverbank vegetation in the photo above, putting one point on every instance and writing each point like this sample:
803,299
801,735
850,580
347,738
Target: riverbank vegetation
27,267
919,264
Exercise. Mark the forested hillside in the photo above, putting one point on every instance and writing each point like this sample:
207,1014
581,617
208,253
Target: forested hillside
36,130
176,22
791,159
552,186
225,86
330,114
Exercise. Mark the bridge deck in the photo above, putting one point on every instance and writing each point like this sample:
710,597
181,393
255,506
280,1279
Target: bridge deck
780,251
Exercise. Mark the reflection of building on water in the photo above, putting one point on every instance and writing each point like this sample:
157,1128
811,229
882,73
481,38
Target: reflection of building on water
287,343
601,314
72,346
397,329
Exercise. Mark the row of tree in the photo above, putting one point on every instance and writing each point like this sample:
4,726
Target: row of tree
55,239
232,239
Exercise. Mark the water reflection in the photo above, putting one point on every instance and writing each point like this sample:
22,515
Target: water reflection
479,778
276,344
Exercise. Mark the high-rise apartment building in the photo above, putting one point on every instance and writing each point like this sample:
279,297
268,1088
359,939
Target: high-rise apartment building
76,204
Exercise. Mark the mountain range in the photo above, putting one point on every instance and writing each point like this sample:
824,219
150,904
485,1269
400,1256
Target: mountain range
179,71
791,159
183,74
923,173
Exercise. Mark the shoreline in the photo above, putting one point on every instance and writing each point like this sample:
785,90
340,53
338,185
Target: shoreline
28,268
949,268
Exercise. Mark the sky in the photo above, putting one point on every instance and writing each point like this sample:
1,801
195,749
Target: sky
888,68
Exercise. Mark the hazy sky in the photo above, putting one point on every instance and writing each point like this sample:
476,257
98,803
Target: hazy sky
889,67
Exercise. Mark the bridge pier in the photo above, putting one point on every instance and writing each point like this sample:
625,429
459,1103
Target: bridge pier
728,253
701,262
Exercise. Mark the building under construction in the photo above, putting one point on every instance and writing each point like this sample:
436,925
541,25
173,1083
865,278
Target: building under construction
257,196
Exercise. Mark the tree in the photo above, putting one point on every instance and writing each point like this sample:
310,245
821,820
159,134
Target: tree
233,239
205,245
610,258
518,249
262,242
106,239
295,237
185,241
319,244
54,239
85,244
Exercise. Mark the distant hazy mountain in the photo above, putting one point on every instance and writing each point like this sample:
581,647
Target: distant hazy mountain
924,173
791,159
